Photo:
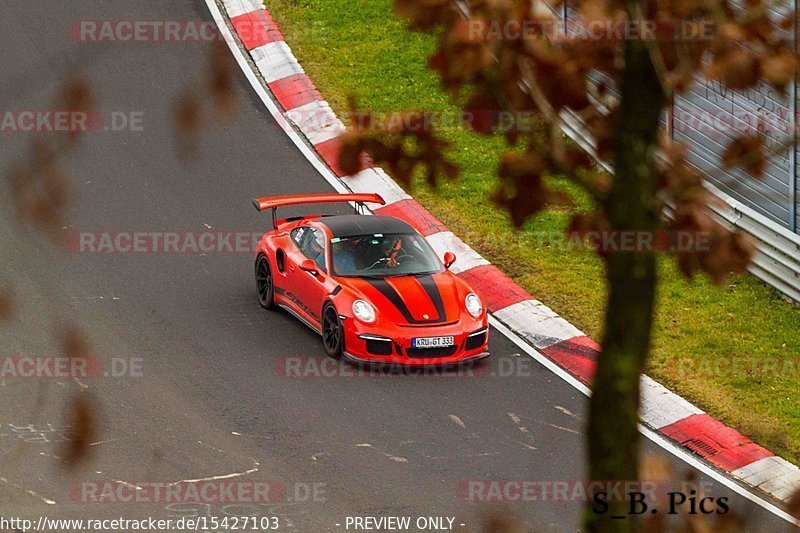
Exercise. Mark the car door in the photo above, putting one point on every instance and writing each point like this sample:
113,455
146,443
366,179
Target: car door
308,290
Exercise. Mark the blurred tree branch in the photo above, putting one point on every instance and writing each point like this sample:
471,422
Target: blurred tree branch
489,70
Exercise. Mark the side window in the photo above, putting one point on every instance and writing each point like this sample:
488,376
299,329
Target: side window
311,243
297,235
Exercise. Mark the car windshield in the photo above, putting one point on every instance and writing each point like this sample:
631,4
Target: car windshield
383,255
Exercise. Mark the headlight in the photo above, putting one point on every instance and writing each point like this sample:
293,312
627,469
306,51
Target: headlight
364,311
474,305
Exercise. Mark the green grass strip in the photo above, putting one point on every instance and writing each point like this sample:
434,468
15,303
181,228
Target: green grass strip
734,351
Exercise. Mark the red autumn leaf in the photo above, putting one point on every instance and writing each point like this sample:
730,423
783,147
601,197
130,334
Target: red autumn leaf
82,421
747,152
6,304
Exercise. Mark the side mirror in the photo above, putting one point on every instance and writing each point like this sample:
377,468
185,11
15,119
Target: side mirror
449,259
309,266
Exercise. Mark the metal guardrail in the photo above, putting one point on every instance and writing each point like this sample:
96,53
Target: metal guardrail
777,261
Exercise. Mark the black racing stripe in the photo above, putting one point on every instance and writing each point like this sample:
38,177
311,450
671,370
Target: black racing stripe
429,284
391,294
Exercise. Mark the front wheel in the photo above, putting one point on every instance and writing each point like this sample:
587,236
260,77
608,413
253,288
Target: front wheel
264,283
332,332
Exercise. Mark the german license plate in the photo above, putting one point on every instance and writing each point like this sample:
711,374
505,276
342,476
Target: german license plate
433,342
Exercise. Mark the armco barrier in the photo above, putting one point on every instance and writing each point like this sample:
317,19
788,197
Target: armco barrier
777,261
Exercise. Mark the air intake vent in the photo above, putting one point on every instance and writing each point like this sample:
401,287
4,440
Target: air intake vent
379,347
476,341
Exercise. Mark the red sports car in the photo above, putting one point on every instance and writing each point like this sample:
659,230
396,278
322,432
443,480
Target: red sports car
372,286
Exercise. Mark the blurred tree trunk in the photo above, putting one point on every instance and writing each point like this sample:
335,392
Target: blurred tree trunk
613,439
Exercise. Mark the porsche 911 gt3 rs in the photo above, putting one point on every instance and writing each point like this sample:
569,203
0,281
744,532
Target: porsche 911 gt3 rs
371,286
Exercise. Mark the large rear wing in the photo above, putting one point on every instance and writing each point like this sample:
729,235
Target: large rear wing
274,202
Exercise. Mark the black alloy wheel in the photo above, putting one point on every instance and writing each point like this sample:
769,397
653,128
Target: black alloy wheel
332,335
264,283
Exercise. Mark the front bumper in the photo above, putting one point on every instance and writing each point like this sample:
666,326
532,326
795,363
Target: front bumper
393,345
439,362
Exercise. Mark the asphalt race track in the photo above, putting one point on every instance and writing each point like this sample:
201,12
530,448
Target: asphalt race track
213,400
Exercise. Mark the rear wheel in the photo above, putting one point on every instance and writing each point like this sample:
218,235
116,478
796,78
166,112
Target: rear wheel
264,283
332,332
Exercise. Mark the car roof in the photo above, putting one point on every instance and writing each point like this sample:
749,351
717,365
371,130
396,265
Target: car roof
352,225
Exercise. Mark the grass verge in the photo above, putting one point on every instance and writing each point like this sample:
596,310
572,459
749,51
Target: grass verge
734,351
